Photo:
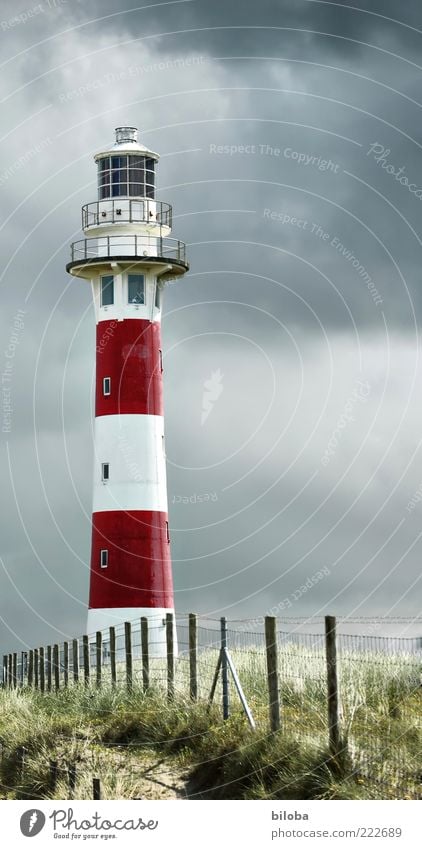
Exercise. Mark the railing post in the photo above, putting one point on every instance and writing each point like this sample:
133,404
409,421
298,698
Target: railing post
15,670
10,667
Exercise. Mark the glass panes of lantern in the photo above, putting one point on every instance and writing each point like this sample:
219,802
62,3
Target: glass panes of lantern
126,176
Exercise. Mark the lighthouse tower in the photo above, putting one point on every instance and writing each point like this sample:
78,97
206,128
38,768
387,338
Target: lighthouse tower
127,256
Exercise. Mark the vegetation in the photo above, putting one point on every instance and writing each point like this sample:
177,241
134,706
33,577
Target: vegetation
142,746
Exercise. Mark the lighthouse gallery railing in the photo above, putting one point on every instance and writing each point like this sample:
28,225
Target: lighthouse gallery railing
123,210
139,246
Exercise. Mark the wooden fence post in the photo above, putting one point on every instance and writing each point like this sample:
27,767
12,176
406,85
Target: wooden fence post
23,664
145,652
36,669
332,685
10,672
96,788
193,657
5,660
49,668
72,779
42,669
15,670
128,655
272,671
66,664
85,649
224,668
170,655
23,760
56,666
113,671
31,668
98,656
75,660
53,775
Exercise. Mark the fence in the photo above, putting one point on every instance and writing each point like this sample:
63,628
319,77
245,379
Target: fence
333,690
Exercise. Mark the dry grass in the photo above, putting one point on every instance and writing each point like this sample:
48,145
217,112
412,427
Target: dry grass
142,746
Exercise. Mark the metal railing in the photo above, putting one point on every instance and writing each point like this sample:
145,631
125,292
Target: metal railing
133,246
122,210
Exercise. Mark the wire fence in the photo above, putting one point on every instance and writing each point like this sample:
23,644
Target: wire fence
348,692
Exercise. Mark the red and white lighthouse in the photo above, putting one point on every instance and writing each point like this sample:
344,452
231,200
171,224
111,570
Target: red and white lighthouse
128,257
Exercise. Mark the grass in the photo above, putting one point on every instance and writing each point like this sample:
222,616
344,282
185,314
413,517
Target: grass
142,746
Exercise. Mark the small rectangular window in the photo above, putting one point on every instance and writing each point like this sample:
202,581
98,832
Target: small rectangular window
157,296
107,290
167,532
105,471
106,385
160,354
104,558
136,288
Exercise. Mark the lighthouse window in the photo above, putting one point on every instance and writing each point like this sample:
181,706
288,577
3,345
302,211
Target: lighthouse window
106,385
136,288
104,558
105,471
157,296
107,290
130,176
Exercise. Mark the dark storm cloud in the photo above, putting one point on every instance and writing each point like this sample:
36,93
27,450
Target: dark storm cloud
334,27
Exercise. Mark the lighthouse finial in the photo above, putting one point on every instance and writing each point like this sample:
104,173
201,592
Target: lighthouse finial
126,134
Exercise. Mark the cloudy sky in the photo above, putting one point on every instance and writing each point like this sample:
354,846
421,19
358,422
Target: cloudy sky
290,142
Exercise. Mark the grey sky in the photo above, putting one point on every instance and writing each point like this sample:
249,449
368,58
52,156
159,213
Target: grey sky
311,455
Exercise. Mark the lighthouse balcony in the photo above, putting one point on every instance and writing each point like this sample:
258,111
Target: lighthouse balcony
106,250
155,214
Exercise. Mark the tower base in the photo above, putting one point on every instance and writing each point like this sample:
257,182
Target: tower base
100,619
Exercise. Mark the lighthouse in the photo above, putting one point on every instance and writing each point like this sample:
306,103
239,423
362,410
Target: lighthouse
128,256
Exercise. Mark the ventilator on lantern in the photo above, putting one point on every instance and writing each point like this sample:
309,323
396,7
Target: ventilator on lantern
127,256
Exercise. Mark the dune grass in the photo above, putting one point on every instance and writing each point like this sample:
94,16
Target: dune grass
130,738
